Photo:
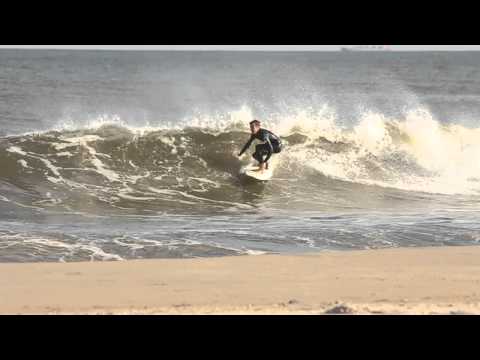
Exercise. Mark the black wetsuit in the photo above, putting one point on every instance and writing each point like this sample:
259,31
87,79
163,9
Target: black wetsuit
272,145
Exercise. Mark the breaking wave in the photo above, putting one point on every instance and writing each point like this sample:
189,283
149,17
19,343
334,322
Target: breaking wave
106,165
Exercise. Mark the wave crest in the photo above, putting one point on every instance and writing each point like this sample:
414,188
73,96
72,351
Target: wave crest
113,166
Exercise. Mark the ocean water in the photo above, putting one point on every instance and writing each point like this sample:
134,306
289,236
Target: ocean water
129,155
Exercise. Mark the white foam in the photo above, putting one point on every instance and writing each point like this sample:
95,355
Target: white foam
50,166
96,251
236,119
310,243
99,121
450,153
124,195
134,179
25,239
97,163
54,180
65,154
47,163
135,198
76,141
103,170
16,150
189,196
207,181
255,252
70,124
173,193
24,164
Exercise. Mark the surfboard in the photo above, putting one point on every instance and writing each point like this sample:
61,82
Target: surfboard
253,172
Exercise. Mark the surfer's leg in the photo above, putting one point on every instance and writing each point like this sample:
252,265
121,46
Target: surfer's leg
256,155
260,152
276,150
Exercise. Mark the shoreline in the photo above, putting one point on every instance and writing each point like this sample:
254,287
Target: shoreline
435,280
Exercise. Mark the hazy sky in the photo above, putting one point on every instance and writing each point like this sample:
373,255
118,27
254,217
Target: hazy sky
240,47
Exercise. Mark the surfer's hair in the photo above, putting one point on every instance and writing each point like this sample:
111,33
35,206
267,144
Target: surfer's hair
256,123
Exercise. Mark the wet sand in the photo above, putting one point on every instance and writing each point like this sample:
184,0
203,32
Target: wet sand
395,281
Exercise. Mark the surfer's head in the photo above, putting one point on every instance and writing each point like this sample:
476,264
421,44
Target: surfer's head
255,126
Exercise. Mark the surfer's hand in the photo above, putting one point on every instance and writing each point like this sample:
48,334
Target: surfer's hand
239,154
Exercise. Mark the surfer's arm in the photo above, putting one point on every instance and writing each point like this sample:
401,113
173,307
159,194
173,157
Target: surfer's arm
247,145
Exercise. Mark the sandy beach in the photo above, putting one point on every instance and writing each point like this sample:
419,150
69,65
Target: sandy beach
395,281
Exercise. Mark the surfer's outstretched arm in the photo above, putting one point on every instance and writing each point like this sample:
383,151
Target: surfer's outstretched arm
247,145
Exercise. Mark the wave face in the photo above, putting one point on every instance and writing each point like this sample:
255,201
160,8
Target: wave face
377,155
117,169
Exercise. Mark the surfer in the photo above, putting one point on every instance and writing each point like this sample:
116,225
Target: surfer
272,144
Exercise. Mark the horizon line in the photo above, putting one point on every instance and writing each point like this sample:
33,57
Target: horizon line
233,50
